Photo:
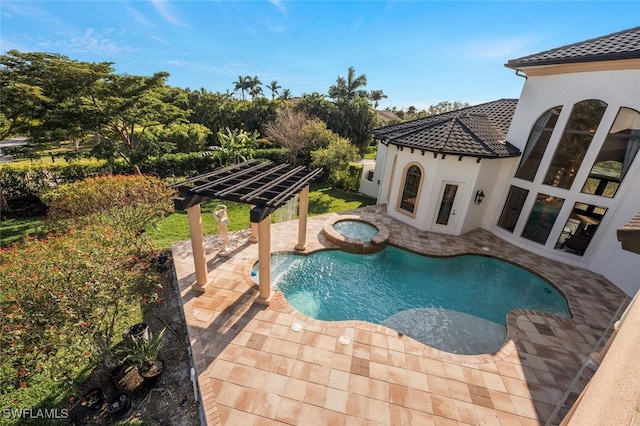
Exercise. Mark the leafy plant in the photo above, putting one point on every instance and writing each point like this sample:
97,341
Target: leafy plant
129,203
143,353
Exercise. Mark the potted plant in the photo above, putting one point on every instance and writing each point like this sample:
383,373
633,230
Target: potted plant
143,354
120,403
93,399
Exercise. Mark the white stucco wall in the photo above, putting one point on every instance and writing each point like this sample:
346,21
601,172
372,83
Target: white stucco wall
368,187
469,174
618,89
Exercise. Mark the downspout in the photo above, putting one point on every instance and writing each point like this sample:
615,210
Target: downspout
519,73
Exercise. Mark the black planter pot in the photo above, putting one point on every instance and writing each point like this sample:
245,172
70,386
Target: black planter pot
150,375
93,399
120,403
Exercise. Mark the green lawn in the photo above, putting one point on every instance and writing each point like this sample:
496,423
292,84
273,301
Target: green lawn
322,199
175,227
12,230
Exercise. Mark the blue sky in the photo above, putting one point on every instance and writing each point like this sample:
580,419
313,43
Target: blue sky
418,52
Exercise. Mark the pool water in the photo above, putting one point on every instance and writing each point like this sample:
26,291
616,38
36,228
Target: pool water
457,304
356,229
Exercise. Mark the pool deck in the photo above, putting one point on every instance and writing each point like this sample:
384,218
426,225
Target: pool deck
254,369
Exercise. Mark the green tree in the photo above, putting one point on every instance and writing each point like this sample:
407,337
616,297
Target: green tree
44,95
254,86
286,95
242,84
335,158
376,96
348,88
125,108
63,298
446,106
274,89
183,137
237,145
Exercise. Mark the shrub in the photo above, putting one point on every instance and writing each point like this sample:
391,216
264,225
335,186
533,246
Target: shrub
335,160
129,203
62,297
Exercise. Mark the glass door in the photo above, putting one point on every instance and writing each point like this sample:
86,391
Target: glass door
447,210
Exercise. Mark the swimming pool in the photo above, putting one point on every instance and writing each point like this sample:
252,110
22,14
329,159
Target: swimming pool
457,304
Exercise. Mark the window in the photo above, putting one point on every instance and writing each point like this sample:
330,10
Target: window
582,124
542,218
616,155
512,208
580,227
411,187
537,144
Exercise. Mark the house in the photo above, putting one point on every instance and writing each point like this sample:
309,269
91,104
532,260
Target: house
555,172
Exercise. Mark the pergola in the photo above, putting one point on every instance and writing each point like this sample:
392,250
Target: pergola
263,185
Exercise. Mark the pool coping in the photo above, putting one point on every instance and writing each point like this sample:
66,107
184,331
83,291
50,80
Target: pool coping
519,372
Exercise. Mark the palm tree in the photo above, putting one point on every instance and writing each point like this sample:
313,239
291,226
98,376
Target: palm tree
348,88
253,85
376,96
286,95
242,84
274,89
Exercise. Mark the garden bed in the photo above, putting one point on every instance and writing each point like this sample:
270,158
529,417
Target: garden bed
167,401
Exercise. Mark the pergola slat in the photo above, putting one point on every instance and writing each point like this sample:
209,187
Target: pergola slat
261,190
245,183
251,182
236,175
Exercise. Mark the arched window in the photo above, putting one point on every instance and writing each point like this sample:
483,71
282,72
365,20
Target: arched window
537,144
616,155
578,133
412,180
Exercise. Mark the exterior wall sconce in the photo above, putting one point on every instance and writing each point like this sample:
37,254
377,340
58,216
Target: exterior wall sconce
479,197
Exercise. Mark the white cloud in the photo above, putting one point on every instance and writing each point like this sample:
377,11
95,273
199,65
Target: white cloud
87,41
167,12
278,3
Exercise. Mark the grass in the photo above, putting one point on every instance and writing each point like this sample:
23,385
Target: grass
322,199
175,227
13,230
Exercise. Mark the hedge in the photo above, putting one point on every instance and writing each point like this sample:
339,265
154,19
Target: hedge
31,179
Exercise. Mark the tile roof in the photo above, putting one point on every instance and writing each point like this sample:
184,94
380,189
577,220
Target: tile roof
621,45
476,131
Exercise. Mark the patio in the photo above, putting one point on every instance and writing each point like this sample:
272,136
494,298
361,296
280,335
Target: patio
253,368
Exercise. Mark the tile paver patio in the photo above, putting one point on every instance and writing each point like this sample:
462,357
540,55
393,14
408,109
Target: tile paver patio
254,369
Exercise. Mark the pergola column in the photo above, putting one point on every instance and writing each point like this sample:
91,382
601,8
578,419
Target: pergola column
264,260
197,247
254,229
303,210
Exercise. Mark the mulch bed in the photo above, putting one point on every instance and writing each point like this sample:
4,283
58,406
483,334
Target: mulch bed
169,400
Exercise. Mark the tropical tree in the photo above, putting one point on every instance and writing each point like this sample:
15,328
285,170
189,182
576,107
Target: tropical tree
237,145
376,96
242,84
446,106
274,89
286,95
125,107
348,88
254,85
44,95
